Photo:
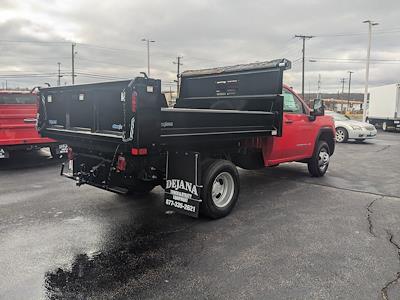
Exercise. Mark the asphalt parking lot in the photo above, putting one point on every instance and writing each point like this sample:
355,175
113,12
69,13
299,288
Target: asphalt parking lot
290,236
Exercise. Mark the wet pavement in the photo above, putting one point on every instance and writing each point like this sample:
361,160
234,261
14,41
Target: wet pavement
290,236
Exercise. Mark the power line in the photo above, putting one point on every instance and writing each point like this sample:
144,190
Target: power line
108,63
395,30
34,42
100,75
23,75
355,59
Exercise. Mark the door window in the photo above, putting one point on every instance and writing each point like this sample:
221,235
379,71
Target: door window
291,104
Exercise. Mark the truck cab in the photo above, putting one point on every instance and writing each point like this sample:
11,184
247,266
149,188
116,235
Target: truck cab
301,129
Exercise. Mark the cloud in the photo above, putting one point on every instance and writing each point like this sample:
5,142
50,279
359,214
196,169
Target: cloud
206,33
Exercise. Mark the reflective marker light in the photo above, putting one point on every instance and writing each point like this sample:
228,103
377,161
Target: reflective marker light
70,154
134,101
121,165
139,151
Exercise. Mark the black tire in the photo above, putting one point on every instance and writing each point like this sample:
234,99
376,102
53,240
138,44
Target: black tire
317,165
343,137
221,204
140,187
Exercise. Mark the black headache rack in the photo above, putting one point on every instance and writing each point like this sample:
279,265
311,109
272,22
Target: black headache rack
255,87
222,104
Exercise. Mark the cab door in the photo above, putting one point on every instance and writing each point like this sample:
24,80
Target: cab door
295,142
297,127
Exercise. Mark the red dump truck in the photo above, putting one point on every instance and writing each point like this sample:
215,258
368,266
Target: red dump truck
18,112
123,138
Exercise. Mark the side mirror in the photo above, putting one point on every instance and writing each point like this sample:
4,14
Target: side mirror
318,109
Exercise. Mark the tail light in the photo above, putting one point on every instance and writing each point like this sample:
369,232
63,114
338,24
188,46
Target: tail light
121,164
139,151
134,101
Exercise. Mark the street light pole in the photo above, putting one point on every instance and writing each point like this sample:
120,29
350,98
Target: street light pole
348,96
148,41
370,24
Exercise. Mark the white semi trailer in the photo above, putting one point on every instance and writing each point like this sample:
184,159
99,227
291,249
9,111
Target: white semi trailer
384,106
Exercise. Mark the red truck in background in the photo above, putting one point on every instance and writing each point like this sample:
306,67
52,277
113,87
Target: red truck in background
18,111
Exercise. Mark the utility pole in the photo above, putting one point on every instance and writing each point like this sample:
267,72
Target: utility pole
370,24
148,41
59,74
73,63
178,74
342,80
348,96
319,87
303,37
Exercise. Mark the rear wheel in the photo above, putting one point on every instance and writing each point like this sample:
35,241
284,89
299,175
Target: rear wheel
319,162
341,135
384,126
220,188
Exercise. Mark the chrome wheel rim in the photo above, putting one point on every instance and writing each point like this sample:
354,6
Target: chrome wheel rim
323,159
223,189
384,126
339,135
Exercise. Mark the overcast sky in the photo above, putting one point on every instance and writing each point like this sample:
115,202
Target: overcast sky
35,35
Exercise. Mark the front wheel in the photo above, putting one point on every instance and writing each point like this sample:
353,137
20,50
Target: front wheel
319,162
384,126
341,135
220,188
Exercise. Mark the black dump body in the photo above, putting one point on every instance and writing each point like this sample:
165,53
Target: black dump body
125,138
215,105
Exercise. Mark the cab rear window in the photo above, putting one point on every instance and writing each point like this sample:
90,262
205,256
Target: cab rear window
17,99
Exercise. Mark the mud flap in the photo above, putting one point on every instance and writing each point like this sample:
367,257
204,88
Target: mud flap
183,189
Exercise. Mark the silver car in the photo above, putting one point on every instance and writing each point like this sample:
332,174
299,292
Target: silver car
351,129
